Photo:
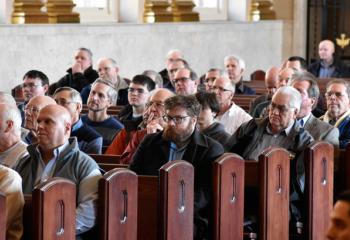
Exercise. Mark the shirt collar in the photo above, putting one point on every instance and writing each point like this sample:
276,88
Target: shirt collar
286,131
57,151
306,118
77,125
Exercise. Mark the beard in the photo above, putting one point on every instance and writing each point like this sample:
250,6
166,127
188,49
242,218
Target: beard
179,137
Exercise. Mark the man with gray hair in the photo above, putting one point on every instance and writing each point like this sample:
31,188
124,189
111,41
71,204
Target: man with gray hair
172,56
12,148
306,84
279,129
210,76
102,96
235,67
186,81
89,140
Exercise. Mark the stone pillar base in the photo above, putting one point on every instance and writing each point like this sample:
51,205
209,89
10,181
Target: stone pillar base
266,10
28,12
62,12
183,11
156,11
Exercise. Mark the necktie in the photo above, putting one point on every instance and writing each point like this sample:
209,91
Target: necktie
301,122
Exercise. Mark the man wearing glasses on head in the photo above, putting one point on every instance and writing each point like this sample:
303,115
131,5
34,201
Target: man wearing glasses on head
181,140
337,99
35,83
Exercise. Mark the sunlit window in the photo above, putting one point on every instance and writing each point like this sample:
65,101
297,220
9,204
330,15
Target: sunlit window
212,9
96,10
207,3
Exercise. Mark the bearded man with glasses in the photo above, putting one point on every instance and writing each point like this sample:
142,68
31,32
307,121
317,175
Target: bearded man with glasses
338,112
181,140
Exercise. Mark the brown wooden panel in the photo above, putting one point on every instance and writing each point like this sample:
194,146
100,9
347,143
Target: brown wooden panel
319,160
274,178
118,205
106,158
176,200
147,212
228,173
258,75
27,217
2,216
110,166
54,203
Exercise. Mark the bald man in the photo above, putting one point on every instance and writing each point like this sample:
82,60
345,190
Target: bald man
31,112
271,80
328,66
57,155
172,56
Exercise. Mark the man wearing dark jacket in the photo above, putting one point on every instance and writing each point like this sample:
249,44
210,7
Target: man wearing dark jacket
80,74
181,140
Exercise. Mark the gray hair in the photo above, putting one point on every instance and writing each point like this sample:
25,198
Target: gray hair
240,61
74,94
295,97
313,91
157,78
174,51
12,113
6,98
340,81
112,92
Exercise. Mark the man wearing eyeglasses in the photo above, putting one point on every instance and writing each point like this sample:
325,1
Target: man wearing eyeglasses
131,115
89,140
230,115
35,83
172,57
338,112
186,81
210,77
279,129
181,140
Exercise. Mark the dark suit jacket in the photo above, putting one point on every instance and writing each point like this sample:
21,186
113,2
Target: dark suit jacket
341,70
153,153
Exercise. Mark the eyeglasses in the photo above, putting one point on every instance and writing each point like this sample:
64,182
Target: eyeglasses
136,90
220,89
156,104
32,110
63,102
281,108
183,79
30,85
176,119
337,94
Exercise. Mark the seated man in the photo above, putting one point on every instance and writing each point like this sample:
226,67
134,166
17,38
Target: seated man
57,155
340,218
306,84
35,83
31,114
11,187
210,77
181,140
89,140
156,77
171,57
338,109
186,81
131,115
12,148
206,123
80,74
108,70
280,129
235,67
230,115
297,63
102,96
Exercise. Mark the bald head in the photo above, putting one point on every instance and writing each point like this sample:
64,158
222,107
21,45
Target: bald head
162,94
32,110
271,80
155,106
284,76
326,51
54,125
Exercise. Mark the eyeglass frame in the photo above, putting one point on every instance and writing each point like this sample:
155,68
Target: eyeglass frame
176,119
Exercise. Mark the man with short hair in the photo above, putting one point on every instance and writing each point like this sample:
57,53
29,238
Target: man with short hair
80,74
31,114
340,218
57,155
271,80
156,77
89,140
172,56
230,115
108,70
210,77
297,63
235,67
102,96
12,148
35,83
306,84
328,66
338,112
279,129
186,81
181,140
174,66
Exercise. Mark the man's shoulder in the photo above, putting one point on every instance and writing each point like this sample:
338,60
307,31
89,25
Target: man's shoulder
87,133
113,122
319,124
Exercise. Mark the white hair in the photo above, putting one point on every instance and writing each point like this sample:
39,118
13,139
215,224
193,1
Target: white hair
295,97
237,58
174,51
6,98
11,113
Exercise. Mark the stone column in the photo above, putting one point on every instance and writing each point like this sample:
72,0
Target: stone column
28,11
183,11
157,11
61,11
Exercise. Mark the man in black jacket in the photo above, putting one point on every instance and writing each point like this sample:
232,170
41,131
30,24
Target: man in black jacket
181,140
80,74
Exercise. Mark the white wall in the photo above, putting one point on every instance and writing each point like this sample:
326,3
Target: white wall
137,47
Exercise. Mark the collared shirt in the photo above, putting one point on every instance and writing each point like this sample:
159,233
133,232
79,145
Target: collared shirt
233,118
326,70
176,153
11,156
77,125
304,120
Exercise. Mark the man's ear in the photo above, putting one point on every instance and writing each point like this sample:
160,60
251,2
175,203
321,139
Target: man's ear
46,88
68,126
9,126
79,107
313,101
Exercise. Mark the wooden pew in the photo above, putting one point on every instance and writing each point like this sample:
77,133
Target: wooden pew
51,211
244,101
106,158
228,199
319,168
118,205
2,216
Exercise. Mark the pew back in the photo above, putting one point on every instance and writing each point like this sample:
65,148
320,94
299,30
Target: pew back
2,216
